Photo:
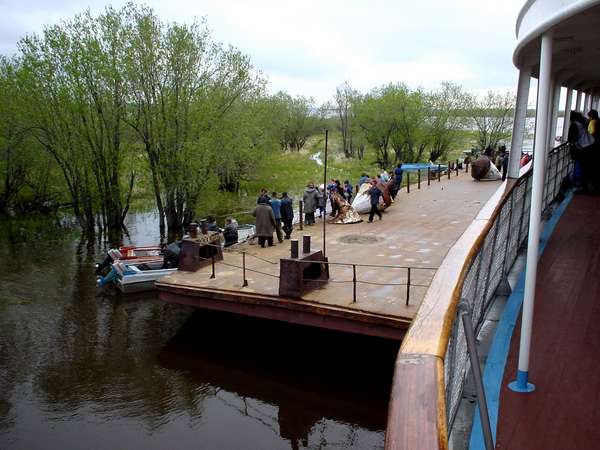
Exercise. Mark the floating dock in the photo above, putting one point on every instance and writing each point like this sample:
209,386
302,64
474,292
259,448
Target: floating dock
416,232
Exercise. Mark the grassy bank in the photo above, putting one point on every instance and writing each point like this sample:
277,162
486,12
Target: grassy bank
291,171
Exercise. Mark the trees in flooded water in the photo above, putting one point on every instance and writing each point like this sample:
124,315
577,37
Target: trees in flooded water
102,92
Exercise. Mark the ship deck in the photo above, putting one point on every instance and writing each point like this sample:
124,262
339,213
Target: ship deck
416,231
565,348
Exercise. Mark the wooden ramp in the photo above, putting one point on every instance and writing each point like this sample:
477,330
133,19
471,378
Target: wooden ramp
416,231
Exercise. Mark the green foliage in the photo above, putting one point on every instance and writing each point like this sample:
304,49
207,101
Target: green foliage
492,116
298,120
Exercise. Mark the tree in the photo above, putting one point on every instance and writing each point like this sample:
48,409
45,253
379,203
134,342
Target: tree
412,114
300,120
448,105
492,116
186,90
375,115
75,83
344,98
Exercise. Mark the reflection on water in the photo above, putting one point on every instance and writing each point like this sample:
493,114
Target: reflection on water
79,369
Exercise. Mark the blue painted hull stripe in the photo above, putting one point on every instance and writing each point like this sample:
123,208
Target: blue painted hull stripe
498,354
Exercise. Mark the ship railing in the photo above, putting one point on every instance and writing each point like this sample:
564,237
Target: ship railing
433,361
409,277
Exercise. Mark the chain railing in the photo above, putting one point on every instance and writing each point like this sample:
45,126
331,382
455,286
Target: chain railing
408,281
436,345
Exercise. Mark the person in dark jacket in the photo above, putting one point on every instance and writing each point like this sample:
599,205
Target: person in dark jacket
348,191
287,214
263,195
211,224
230,232
276,207
265,222
375,194
311,202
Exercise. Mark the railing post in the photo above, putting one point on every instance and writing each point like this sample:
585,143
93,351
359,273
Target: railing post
408,182
456,167
306,243
353,283
419,179
245,282
212,260
428,176
477,377
408,287
439,172
301,212
448,169
294,248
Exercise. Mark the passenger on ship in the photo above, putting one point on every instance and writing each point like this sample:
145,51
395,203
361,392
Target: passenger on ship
265,222
276,206
398,177
287,214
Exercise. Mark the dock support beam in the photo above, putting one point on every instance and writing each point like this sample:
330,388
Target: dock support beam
545,88
516,144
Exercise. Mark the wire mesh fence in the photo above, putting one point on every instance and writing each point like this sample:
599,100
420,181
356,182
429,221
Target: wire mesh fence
490,265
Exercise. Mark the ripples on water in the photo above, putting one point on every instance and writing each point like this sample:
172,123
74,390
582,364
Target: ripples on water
82,369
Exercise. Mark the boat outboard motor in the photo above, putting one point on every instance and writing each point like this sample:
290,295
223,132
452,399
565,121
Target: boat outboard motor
171,258
112,255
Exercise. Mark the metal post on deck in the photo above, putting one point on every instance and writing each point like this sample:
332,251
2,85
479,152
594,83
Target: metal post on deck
578,101
456,167
353,283
419,179
306,243
294,248
520,117
212,260
533,241
325,187
301,212
245,282
408,286
408,182
428,176
567,116
465,315
448,170
439,172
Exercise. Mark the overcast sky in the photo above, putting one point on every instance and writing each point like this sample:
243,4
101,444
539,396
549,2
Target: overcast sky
309,47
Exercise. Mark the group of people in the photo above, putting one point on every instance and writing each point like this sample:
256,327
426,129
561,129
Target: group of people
585,150
273,215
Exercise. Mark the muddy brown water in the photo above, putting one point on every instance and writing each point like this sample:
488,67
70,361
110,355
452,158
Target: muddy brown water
82,369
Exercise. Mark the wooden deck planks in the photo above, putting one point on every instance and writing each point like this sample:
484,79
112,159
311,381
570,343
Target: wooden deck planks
565,355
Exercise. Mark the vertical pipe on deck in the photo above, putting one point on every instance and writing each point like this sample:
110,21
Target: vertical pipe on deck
553,118
533,240
516,145
567,116
578,101
325,187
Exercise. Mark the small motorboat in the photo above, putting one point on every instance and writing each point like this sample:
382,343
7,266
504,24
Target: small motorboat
134,278
133,255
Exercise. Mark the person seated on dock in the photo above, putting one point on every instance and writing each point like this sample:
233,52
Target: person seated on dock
211,224
230,232
265,222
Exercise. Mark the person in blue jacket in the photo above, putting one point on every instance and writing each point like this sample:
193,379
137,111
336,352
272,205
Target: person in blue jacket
276,206
375,194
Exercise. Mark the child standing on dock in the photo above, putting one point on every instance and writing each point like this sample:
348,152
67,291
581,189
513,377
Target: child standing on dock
276,207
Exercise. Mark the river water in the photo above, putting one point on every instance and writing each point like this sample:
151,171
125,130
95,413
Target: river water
80,369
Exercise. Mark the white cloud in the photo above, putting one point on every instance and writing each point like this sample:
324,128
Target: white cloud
309,47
